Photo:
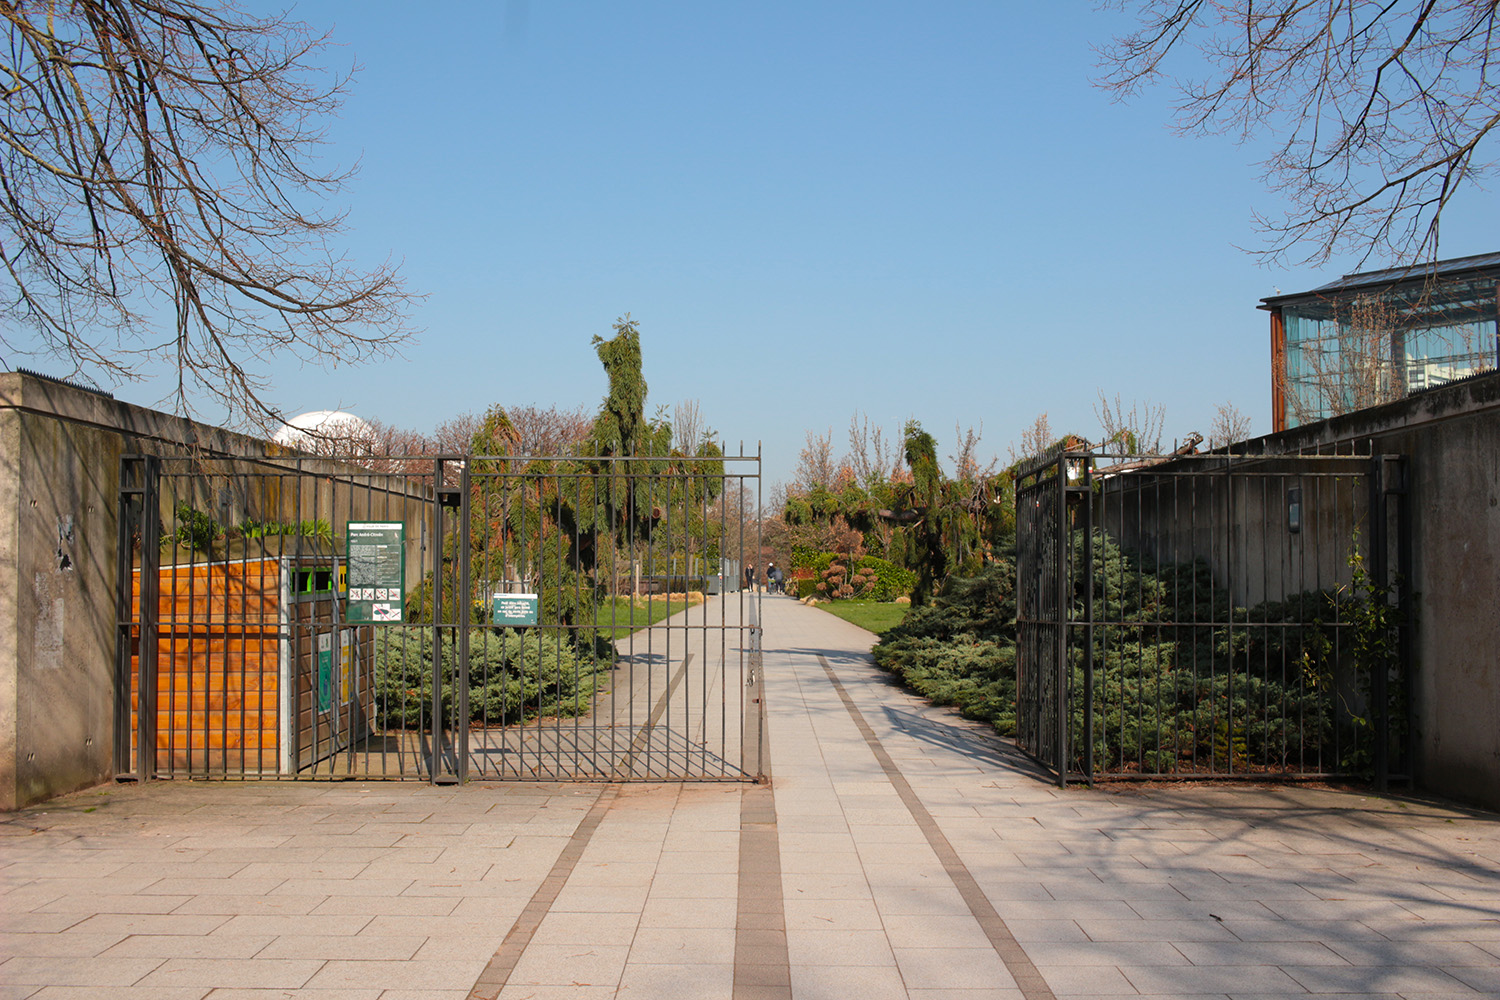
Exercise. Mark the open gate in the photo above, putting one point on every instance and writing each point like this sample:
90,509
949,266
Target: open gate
1214,615
439,618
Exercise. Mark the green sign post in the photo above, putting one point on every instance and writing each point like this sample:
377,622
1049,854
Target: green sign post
376,558
515,610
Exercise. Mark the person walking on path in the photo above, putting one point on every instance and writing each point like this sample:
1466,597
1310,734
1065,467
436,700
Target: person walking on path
774,578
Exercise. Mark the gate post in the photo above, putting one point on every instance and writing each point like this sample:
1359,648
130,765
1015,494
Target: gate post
139,508
127,519
1064,616
1088,620
447,496
436,734
464,600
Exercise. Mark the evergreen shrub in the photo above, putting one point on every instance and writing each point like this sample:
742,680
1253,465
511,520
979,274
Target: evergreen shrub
513,676
1182,679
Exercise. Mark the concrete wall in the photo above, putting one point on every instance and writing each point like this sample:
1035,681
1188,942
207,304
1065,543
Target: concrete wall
1233,515
1451,437
60,450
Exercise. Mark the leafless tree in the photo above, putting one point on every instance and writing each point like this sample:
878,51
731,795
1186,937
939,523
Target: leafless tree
1381,111
455,436
735,513
688,428
386,439
553,431
815,464
1229,426
162,151
966,467
871,456
1037,441
1136,431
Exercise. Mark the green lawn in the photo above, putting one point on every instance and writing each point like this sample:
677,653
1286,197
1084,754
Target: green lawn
874,616
627,617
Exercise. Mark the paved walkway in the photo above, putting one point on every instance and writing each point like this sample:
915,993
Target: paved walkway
899,852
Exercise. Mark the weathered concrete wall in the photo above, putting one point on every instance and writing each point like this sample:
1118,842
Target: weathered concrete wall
60,451
63,587
60,454
1233,516
1451,438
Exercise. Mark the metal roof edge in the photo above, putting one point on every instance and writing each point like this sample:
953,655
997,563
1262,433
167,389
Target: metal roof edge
1452,269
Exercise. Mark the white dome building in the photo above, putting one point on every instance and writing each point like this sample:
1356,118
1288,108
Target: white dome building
326,432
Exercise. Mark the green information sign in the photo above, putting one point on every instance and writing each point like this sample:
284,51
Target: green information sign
514,609
325,672
376,559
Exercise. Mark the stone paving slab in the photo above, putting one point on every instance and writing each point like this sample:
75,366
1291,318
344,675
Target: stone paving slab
372,891
1197,890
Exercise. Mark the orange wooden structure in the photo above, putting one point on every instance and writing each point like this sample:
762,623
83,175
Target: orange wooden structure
254,676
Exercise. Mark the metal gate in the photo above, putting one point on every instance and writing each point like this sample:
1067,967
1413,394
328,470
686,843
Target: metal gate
438,618
1214,616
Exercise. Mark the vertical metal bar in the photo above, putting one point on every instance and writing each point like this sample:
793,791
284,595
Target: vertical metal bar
354,763
435,763
1264,627
635,580
1158,625
1378,594
244,643
1138,494
1232,566
1060,649
127,522
1405,630
1178,630
463,601
147,666
1088,620
723,548
1330,538
587,584
1200,627
758,664
555,630
179,484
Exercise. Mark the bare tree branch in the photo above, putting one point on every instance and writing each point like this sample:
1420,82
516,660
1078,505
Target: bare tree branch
816,465
1229,426
1382,109
872,457
1136,431
158,151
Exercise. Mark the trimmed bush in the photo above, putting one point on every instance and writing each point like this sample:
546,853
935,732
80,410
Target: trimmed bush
513,676
889,580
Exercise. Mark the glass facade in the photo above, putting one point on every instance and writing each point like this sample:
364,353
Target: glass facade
1354,347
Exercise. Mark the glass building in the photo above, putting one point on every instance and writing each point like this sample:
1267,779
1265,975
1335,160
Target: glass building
1375,337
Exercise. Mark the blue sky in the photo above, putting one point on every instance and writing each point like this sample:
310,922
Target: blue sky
812,208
